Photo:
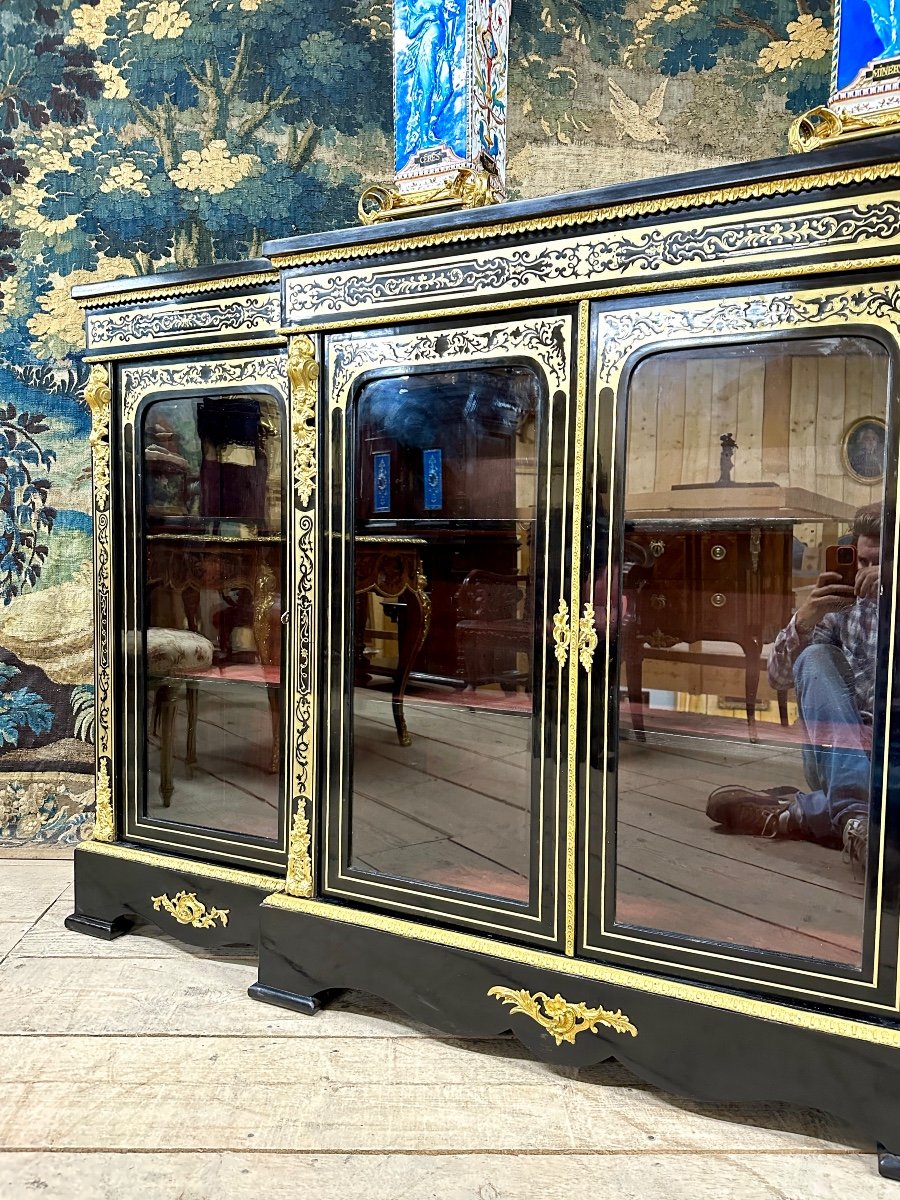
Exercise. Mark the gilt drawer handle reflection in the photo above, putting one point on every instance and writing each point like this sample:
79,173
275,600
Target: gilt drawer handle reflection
717,600
562,1020
188,910
718,553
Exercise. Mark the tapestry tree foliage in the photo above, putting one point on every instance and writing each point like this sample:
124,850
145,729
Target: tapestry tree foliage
218,124
42,80
756,52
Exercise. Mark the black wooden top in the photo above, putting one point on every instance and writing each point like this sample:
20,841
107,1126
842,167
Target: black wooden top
862,152
138,283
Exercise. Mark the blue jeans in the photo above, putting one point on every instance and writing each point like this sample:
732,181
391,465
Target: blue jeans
836,756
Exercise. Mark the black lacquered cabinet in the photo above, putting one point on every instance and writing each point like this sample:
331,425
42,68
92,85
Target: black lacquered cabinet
545,717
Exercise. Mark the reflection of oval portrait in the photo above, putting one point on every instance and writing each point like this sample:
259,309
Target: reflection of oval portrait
862,450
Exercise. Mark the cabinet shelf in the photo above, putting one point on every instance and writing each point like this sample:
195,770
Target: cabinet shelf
250,675
218,539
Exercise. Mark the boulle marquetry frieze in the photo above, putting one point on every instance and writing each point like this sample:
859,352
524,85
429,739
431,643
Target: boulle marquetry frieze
138,382
241,317
543,338
623,332
600,259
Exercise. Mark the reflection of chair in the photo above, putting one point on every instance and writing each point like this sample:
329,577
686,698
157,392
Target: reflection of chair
174,653
392,568
496,624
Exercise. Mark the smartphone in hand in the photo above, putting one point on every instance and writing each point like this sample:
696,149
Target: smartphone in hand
842,561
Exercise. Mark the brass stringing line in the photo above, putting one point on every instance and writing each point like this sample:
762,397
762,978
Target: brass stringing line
575,592
589,736
604,806
563,660
176,291
637,208
829,319
338,399
328,530
246,859
545,672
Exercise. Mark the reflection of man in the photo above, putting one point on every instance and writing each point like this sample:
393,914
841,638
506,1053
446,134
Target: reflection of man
827,652
886,19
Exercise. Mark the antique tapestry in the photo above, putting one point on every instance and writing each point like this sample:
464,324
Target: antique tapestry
146,135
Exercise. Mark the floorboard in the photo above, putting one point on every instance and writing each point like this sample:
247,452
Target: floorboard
141,1068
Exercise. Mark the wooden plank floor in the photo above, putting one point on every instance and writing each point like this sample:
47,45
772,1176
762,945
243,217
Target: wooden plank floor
140,1069
454,808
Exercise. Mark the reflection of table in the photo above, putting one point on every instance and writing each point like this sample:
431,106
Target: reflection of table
188,564
391,567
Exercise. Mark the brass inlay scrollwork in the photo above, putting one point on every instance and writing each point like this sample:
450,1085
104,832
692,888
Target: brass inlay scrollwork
303,373
299,880
188,910
587,637
562,1020
201,375
104,821
98,396
562,633
627,330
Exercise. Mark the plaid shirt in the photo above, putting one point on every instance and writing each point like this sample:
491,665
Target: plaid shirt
854,630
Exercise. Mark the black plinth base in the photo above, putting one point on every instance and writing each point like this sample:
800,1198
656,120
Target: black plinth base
307,1005
689,1048
888,1163
120,886
108,931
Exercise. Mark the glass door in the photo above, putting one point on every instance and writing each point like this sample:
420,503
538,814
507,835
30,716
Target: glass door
445,728
205,648
737,819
